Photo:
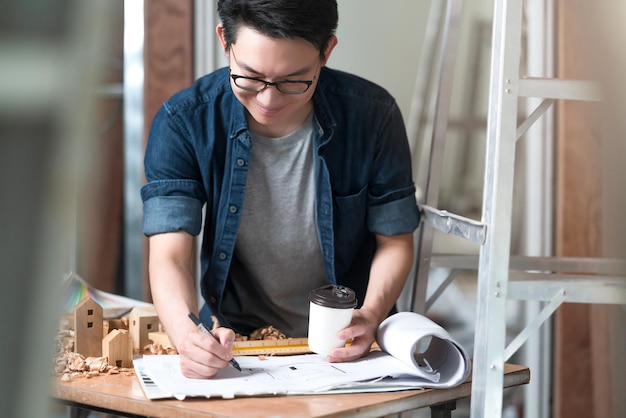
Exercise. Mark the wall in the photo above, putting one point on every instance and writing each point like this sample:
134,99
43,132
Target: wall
382,41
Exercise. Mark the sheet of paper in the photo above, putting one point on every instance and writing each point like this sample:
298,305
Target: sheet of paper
421,343
150,389
275,375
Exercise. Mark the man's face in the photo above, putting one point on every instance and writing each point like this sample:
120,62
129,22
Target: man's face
272,113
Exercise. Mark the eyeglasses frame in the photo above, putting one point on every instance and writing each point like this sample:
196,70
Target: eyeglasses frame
276,84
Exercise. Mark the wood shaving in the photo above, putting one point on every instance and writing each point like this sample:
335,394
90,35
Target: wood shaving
158,349
268,332
97,364
70,366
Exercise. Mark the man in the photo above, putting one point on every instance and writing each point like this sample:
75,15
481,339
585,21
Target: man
305,176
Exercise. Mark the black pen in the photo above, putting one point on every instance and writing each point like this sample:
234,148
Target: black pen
207,331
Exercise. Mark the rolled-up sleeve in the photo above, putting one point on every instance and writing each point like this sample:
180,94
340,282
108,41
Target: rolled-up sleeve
395,217
170,206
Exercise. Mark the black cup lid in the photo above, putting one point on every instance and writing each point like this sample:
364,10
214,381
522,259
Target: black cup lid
334,296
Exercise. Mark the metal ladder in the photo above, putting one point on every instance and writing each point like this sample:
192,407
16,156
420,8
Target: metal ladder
501,276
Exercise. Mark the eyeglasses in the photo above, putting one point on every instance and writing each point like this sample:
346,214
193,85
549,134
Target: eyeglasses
257,85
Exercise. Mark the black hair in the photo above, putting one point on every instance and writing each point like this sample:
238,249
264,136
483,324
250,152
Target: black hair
314,21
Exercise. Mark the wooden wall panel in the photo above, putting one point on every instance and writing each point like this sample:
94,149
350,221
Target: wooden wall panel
582,362
577,224
168,52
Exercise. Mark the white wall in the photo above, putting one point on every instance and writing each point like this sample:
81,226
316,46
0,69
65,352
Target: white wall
382,41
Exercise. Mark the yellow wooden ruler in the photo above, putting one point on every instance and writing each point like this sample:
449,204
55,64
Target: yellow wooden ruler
285,346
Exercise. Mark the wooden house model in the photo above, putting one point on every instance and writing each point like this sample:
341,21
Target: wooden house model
88,328
141,322
117,346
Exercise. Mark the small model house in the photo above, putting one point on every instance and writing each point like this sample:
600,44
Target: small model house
88,329
160,337
117,346
141,322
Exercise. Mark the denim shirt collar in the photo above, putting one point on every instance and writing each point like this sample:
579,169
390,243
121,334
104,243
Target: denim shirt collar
324,118
239,120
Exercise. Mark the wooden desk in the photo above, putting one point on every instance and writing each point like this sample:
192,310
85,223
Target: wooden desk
120,394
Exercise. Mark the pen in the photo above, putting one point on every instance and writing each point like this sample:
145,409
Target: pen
206,330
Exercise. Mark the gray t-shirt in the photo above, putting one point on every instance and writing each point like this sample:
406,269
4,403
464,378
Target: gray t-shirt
277,254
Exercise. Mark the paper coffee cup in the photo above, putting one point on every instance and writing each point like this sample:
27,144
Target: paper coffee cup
330,311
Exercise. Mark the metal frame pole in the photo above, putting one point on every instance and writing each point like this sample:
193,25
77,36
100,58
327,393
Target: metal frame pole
493,266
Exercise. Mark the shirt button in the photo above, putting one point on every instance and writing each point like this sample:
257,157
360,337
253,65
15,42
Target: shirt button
212,299
232,209
241,162
222,256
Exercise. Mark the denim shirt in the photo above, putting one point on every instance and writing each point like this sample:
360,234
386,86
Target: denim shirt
197,156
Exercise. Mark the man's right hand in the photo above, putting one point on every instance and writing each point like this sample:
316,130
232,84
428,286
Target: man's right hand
201,356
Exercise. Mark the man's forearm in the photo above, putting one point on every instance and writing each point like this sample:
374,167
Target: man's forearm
390,268
172,283
173,299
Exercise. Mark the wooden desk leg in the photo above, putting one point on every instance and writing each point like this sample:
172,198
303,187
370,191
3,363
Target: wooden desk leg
443,410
